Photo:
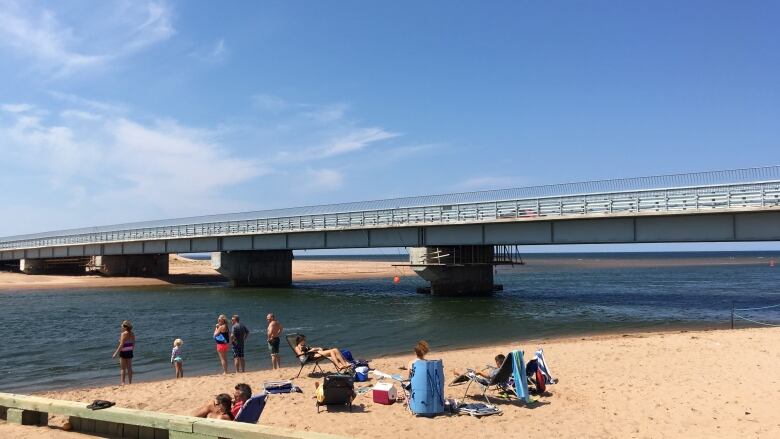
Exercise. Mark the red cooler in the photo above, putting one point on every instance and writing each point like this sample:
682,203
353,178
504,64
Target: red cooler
384,393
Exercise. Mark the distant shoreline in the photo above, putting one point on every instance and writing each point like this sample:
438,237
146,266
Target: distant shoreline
185,271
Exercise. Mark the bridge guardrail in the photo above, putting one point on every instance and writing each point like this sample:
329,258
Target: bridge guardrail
750,195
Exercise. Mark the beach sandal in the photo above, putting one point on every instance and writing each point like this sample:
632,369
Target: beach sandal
100,404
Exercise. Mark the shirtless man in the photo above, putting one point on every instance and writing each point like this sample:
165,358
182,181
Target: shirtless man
274,331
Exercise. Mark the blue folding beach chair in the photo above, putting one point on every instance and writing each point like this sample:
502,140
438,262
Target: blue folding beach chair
252,409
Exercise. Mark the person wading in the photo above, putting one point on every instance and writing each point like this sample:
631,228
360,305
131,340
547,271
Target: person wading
239,334
125,352
274,331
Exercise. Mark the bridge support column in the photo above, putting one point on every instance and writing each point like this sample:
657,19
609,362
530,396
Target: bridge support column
455,270
12,265
132,265
255,268
75,265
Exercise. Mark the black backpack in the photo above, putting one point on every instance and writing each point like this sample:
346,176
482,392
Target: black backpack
337,389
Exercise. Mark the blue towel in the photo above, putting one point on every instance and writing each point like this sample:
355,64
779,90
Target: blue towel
518,370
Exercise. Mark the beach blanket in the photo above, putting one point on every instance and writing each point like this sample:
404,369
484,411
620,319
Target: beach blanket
521,383
285,386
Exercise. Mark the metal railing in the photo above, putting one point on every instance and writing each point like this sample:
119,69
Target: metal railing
753,188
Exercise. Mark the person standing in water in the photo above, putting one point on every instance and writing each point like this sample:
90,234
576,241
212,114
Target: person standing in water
274,332
238,336
125,352
222,338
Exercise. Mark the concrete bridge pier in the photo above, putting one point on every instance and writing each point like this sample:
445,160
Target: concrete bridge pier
75,265
132,265
12,265
455,270
255,268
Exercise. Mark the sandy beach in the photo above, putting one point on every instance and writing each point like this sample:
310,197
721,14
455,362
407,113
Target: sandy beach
645,385
680,384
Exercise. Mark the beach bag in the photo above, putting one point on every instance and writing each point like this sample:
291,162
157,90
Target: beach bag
361,374
427,388
541,385
347,356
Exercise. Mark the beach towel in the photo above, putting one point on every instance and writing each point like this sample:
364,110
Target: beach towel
518,371
284,386
543,367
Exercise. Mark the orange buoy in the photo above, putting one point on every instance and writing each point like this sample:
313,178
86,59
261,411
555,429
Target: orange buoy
396,279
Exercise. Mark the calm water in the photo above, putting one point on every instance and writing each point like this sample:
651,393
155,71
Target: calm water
60,339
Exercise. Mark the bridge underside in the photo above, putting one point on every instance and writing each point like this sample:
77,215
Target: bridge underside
270,268
132,265
74,265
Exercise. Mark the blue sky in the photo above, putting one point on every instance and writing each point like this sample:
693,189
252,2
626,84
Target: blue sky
135,110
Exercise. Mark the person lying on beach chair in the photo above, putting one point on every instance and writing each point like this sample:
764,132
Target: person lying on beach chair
308,354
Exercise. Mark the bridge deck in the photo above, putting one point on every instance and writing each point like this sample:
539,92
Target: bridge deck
717,191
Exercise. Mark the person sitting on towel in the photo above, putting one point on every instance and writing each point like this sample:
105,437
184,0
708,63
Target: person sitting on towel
488,372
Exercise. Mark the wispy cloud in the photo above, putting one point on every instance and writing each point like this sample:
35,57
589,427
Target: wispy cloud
331,133
103,157
92,104
355,140
214,53
38,33
165,165
323,180
16,108
154,25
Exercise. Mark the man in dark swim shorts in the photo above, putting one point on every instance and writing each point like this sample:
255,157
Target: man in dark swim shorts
274,331
238,336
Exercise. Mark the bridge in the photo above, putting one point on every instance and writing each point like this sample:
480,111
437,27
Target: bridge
455,239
